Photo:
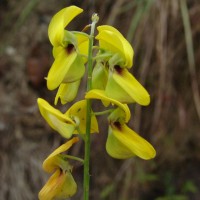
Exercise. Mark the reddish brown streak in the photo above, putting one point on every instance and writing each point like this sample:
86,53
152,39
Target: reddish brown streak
117,125
118,69
70,48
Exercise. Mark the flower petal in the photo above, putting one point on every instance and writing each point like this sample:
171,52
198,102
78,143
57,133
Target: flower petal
60,68
112,40
123,143
61,185
53,161
58,23
65,69
82,43
76,70
124,87
78,112
100,94
57,50
57,120
99,76
67,92
118,115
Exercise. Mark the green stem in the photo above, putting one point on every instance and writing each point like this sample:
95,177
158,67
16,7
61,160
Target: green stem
103,112
74,158
86,182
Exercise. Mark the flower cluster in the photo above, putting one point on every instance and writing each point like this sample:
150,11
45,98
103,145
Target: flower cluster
112,84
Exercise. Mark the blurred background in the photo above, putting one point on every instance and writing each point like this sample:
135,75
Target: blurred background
165,35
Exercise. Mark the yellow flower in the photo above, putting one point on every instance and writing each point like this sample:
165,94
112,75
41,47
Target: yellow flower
55,160
71,122
123,143
68,49
110,72
57,120
100,94
124,87
61,184
111,40
119,84
78,113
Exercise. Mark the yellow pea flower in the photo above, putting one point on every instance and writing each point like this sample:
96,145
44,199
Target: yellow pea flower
119,84
57,120
54,160
67,67
61,184
78,113
111,40
123,143
67,124
68,49
101,95
110,72
124,87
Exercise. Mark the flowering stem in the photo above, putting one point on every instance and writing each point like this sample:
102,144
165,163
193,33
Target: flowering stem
86,183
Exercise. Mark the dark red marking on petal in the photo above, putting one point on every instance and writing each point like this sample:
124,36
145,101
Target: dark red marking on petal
117,125
70,48
118,69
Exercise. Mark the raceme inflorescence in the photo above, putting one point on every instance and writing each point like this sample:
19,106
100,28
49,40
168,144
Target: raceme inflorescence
106,59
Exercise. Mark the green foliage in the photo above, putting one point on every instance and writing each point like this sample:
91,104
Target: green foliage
189,187
171,189
173,197
107,191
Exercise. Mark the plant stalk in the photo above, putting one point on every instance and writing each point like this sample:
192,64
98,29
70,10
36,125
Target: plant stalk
86,183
